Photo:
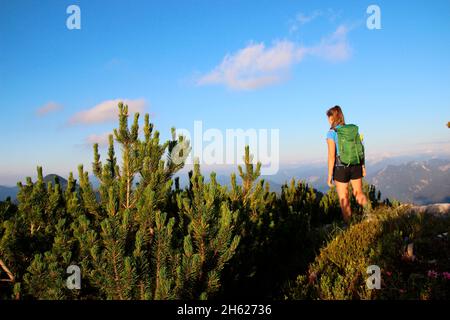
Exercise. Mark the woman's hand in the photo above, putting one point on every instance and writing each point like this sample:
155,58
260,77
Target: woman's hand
363,171
330,181
331,161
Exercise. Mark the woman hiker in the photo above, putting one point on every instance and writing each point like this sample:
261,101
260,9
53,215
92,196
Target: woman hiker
345,162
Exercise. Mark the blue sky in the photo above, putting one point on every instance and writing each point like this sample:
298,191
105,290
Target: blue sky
231,64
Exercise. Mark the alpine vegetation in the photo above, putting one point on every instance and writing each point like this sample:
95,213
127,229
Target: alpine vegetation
140,236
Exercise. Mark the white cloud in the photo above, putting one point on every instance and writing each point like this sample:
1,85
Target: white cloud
101,139
333,48
254,66
257,66
106,111
302,19
48,108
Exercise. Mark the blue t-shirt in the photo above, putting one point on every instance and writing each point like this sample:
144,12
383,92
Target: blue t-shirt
333,136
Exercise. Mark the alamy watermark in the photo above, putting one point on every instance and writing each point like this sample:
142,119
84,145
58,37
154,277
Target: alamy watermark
374,280
73,282
373,22
73,22
216,147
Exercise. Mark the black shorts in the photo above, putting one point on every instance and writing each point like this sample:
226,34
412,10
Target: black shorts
344,174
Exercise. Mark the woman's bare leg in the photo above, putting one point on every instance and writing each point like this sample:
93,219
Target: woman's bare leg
358,192
342,191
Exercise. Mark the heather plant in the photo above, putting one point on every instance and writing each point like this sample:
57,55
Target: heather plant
412,251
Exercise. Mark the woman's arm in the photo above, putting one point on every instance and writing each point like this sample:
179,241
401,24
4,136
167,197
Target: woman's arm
331,160
363,162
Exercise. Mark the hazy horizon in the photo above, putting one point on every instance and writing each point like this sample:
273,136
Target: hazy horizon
224,170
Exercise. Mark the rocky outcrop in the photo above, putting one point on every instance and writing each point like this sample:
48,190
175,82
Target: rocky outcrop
438,209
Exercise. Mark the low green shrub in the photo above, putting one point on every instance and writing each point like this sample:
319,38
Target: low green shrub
422,272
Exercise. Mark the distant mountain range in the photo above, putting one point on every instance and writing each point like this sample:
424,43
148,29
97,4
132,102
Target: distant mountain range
6,192
11,192
422,181
51,178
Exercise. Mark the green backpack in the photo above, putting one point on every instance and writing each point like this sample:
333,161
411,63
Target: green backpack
351,149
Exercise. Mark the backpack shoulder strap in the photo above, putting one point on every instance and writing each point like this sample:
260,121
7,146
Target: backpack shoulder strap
338,159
